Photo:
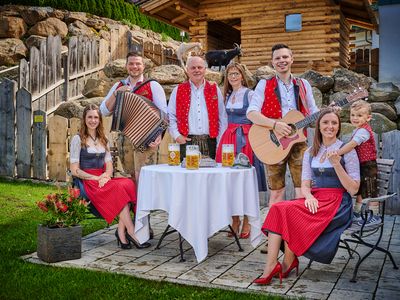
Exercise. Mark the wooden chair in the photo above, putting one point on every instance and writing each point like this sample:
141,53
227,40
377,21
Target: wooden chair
360,234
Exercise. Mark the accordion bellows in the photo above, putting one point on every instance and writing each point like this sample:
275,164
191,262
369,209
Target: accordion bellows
139,119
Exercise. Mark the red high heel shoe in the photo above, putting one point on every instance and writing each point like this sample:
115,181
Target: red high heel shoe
295,264
266,280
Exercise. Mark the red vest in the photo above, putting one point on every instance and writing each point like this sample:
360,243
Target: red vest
272,108
183,96
367,150
144,90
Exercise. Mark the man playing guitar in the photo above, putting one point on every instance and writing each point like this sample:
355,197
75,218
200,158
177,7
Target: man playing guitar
272,100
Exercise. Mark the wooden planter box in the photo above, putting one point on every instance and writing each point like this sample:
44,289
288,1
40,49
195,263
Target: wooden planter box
58,244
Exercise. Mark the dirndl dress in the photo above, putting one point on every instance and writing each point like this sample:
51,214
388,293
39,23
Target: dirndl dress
237,134
316,236
114,195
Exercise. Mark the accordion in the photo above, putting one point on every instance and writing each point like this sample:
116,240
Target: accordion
139,119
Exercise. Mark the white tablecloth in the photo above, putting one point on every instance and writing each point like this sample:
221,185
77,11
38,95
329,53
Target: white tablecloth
199,202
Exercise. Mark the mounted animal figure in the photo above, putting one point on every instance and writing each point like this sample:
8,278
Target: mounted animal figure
222,57
185,49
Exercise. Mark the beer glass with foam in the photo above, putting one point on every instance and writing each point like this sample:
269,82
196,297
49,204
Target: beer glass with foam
228,155
193,157
174,154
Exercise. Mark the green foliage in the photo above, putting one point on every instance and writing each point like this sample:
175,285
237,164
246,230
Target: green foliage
114,9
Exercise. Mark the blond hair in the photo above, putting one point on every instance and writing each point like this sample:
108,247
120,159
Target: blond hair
359,104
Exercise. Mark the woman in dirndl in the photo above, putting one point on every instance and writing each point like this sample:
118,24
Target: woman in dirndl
312,226
237,96
90,160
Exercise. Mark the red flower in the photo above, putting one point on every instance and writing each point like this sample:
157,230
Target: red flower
42,206
74,192
61,206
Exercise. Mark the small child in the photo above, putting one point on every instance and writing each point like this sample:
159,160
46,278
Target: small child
363,141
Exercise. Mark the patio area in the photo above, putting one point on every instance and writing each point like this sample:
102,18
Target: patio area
226,267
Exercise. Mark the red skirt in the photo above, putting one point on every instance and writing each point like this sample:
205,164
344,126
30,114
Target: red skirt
112,197
229,137
297,225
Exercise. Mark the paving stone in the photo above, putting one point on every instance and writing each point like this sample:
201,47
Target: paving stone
85,260
362,274
249,266
389,284
274,287
360,286
201,275
389,272
353,295
143,264
338,267
235,278
100,252
174,268
307,294
314,286
316,275
387,294
111,262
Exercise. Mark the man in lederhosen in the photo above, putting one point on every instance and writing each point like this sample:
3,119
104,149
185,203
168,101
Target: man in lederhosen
152,91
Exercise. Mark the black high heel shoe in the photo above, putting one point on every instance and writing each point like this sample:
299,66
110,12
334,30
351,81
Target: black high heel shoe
135,243
119,242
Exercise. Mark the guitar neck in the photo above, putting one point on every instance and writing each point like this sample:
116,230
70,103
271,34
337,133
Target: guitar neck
311,118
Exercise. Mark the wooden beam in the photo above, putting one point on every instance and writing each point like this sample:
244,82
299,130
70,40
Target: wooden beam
152,4
178,18
361,24
161,7
186,9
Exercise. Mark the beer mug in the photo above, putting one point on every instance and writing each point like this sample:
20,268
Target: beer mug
193,157
174,154
228,155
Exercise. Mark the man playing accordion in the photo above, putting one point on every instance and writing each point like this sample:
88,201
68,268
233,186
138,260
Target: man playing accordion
153,91
196,111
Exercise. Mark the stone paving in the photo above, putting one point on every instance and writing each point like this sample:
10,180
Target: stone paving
226,267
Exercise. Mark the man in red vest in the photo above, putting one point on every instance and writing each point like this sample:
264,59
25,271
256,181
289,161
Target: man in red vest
272,100
151,90
196,110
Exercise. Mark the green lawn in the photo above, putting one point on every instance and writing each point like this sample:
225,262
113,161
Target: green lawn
19,218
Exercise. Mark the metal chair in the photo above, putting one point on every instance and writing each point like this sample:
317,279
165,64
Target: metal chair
360,233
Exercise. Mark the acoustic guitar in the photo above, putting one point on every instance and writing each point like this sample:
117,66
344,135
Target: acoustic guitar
271,147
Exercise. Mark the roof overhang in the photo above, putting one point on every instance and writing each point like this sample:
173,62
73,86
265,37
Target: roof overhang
180,13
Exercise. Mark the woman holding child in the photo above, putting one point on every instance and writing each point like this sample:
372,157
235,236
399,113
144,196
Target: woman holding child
90,160
312,226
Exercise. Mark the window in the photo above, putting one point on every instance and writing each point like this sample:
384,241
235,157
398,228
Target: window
293,22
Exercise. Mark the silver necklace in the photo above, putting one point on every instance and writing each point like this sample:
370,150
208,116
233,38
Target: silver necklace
94,140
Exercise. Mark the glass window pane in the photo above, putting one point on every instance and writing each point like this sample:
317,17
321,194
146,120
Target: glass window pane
293,22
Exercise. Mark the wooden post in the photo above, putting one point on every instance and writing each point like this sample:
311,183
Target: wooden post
390,149
39,144
7,130
24,115
66,77
57,154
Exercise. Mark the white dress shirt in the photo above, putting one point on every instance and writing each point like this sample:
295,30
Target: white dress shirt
159,98
288,102
198,115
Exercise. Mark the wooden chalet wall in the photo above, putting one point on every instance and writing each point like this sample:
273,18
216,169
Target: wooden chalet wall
321,45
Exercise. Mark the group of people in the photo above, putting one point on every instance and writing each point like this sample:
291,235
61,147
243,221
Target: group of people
324,175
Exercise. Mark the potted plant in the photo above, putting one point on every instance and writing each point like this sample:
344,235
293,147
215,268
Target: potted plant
60,237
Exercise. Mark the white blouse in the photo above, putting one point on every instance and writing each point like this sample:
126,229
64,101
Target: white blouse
239,98
75,150
352,164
